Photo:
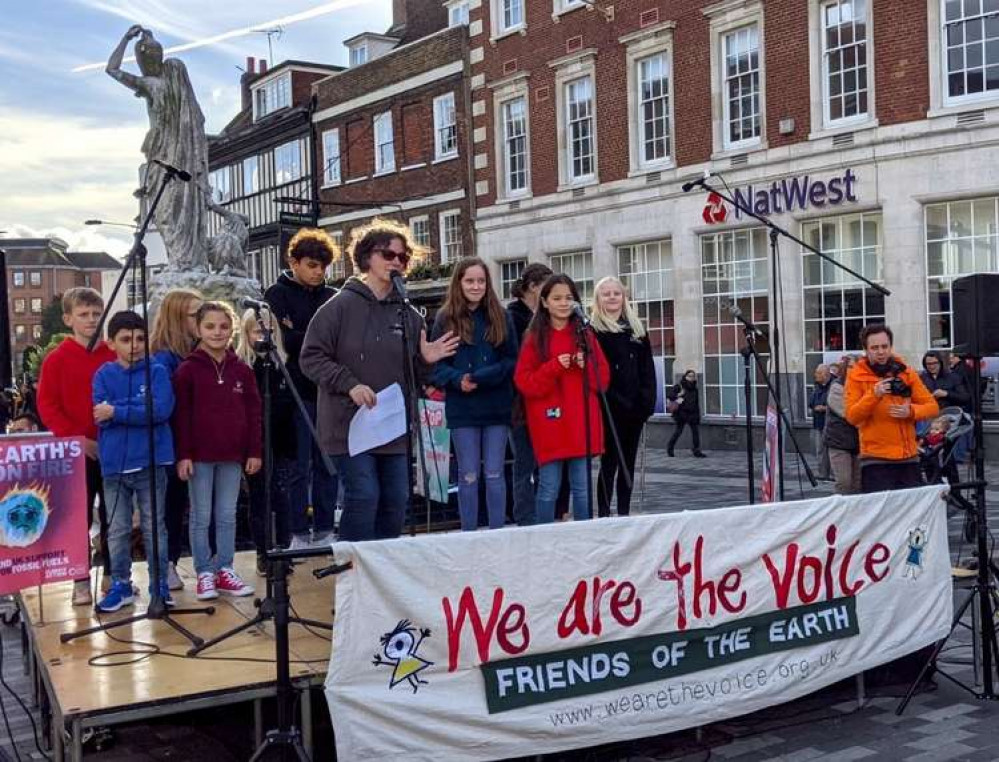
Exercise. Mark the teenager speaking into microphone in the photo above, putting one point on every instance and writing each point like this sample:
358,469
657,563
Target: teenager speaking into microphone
353,349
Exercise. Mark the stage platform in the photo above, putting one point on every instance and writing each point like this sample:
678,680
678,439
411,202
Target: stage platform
124,686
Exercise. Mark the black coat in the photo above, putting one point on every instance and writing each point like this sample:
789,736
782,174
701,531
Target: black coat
632,391
839,434
952,383
522,317
690,403
284,413
294,306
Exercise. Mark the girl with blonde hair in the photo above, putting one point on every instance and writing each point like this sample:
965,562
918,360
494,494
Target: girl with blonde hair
173,337
631,396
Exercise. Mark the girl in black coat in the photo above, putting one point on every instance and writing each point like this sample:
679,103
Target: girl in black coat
686,413
283,438
632,393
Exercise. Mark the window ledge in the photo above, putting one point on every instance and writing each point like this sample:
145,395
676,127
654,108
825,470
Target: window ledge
953,109
410,167
443,159
557,15
353,180
647,169
520,29
577,184
521,196
384,172
327,186
843,127
750,148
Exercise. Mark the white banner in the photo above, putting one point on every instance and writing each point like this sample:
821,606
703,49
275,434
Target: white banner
522,641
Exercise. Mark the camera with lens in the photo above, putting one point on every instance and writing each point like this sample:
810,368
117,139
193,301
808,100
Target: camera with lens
896,385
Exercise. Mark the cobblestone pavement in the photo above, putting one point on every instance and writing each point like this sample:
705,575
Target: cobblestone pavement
944,723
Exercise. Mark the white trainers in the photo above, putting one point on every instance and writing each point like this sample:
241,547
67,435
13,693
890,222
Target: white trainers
206,587
174,582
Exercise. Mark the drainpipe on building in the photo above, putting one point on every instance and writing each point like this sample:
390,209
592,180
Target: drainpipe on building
314,205
469,135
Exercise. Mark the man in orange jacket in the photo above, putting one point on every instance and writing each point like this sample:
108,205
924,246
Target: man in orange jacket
884,398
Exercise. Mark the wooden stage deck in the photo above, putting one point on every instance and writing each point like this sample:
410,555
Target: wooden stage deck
79,694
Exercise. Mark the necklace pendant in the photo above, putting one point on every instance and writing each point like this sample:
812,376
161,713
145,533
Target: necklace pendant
220,382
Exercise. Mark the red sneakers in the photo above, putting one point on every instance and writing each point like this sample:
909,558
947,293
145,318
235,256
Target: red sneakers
230,583
206,587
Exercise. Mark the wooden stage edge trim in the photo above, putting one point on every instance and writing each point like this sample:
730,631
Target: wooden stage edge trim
83,695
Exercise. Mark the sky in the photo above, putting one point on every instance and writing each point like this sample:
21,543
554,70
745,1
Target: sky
70,141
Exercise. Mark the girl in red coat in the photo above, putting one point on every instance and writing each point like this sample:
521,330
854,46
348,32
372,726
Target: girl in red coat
550,375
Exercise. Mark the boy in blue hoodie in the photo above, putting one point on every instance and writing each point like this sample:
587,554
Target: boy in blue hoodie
123,444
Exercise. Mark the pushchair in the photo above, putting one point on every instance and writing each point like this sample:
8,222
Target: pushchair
937,462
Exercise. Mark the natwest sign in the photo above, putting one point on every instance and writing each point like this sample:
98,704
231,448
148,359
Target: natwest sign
796,193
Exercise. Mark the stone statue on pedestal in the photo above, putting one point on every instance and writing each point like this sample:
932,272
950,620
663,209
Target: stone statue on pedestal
176,136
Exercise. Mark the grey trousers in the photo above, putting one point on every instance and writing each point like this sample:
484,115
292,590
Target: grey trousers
846,470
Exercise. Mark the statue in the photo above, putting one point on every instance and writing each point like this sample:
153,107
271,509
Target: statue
176,136
227,248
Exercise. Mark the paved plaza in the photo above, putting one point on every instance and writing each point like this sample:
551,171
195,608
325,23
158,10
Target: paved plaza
943,723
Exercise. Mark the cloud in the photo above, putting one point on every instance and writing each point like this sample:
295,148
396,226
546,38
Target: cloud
79,239
140,12
57,170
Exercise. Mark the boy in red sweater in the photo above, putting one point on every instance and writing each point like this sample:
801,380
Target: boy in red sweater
64,399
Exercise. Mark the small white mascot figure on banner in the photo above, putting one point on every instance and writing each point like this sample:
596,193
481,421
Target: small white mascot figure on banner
914,559
400,648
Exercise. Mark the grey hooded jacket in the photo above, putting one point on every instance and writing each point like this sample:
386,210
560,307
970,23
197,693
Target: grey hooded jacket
355,338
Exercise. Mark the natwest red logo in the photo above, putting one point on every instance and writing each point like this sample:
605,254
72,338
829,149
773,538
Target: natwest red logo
715,211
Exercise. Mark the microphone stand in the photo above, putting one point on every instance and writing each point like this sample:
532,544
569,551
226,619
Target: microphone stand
278,568
751,332
157,609
582,329
775,231
412,415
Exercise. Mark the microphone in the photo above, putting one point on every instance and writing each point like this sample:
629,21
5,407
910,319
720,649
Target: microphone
699,182
400,284
735,311
247,303
180,174
579,312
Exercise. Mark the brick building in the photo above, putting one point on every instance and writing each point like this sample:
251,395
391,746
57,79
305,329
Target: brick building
40,270
866,128
266,153
394,131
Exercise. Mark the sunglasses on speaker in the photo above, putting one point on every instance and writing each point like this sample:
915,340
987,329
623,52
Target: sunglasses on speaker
391,256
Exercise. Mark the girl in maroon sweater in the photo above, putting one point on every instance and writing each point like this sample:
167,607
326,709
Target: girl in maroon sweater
217,430
550,375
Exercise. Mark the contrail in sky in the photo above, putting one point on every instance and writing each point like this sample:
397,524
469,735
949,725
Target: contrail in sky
312,13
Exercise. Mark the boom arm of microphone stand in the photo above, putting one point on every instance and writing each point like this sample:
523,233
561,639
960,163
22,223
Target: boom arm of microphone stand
781,231
138,252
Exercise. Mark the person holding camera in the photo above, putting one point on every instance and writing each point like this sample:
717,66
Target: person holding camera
884,399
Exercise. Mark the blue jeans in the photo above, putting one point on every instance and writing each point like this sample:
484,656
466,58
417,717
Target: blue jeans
123,492
308,479
549,480
214,491
524,507
484,446
376,489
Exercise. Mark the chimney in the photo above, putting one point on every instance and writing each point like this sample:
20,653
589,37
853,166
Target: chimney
263,66
399,13
244,82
